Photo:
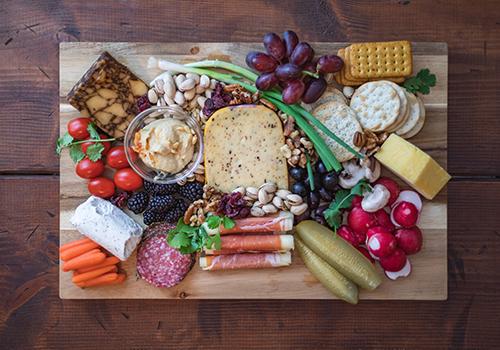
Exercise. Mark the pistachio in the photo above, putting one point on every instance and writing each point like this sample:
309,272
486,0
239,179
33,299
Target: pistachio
239,190
200,89
294,199
189,94
282,193
152,95
179,79
208,93
205,81
186,85
194,77
161,102
265,197
298,209
278,202
200,169
258,204
214,82
247,198
194,102
168,78
252,192
269,187
287,204
159,83
201,101
257,212
179,98
170,89
269,209
168,100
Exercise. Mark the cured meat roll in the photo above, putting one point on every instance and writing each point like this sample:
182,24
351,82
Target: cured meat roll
278,223
232,244
245,261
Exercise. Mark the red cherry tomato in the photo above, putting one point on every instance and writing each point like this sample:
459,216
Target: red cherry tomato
106,144
117,158
101,187
127,179
77,128
88,169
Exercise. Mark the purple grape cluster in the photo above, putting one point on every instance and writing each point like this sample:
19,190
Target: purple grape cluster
284,63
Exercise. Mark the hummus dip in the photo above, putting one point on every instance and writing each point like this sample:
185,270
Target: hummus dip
166,145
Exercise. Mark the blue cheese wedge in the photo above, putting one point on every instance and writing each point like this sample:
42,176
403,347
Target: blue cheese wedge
108,226
242,148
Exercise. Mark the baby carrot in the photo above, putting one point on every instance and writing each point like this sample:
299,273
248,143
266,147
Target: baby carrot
106,278
74,244
91,274
119,279
78,250
107,262
93,257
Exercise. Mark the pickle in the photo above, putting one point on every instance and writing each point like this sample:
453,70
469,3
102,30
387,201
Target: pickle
333,280
337,252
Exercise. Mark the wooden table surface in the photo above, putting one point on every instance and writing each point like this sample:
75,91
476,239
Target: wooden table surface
32,315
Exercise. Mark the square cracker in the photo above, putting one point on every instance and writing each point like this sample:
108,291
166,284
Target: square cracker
382,59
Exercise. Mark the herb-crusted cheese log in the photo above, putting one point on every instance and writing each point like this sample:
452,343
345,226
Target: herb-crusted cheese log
242,148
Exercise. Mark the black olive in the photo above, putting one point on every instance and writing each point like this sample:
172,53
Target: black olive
304,216
318,183
313,199
325,195
321,210
301,189
298,173
320,220
330,180
320,167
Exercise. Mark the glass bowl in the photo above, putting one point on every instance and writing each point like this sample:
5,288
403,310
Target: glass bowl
148,116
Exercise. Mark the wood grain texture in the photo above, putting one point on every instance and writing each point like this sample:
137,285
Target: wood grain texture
428,279
33,316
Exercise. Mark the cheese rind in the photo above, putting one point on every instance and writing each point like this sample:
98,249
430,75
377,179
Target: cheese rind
242,148
413,165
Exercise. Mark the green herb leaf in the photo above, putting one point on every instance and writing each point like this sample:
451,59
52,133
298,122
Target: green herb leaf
425,90
358,188
93,131
214,242
179,240
75,152
94,151
227,222
64,141
213,221
412,84
427,78
420,83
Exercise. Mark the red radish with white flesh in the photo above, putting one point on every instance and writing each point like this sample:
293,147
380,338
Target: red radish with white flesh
392,186
360,220
405,214
361,237
384,220
395,261
409,239
410,196
346,233
366,253
381,244
404,272
374,230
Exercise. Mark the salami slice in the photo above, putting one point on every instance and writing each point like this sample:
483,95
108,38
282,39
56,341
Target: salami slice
159,263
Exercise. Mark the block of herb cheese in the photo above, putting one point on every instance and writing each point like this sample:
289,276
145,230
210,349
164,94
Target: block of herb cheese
413,165
107,93
242,148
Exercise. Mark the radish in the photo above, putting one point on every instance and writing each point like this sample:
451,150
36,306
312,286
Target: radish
346,233
366,253
404,272
395,261
381,244
360,220
355,201
361,237
409,239
374,230
392,186
384,220
405,214
409,196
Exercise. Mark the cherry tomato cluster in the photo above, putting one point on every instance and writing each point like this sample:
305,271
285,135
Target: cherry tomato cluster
125,177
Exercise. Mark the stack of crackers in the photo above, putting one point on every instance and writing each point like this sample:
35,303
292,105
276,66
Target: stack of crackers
375,61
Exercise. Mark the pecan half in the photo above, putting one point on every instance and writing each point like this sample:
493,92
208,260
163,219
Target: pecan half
359,139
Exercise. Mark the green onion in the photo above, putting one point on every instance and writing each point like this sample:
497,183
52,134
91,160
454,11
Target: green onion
310,171
224,65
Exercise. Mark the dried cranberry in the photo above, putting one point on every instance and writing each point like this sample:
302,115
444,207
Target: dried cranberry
233,206
142,103
218,99
122,199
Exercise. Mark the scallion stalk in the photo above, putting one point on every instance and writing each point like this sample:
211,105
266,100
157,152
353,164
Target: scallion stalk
310,171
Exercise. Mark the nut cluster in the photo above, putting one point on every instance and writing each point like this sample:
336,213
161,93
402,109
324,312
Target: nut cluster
195,214
369,141
243,96
296,143
198,175
268,199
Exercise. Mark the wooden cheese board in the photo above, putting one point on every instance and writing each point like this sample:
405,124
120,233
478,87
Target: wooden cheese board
429,278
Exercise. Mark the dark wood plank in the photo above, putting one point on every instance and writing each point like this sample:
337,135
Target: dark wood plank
33,316
30,33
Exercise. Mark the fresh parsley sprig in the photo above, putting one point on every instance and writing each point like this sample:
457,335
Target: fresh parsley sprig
190,239
343,200
421,83
75,148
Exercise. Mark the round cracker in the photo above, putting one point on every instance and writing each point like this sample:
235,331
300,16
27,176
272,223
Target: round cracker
377,105
420,124
330,95
414,115
403,112
341,120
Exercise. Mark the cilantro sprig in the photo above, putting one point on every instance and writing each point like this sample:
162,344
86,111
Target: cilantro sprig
343,200
190,239
94,151
422,82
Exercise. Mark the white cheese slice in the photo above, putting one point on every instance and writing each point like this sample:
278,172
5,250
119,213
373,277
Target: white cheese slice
108,226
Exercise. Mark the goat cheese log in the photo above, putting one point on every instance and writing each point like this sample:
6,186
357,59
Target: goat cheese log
108,226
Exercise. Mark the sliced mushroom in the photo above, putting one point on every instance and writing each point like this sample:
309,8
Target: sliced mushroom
376,200
355,170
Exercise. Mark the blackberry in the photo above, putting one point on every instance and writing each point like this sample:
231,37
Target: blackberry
139,202
177,211
192,190
150,217
160,204
159,189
